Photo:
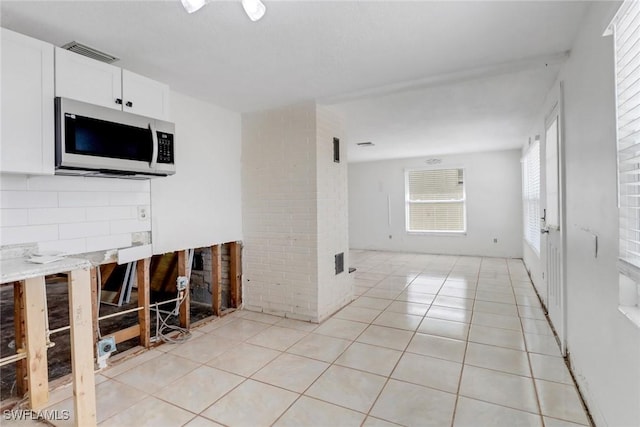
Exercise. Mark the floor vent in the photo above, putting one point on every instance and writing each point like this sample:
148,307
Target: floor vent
89,52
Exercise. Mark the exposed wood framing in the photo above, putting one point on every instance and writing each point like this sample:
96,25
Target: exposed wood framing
84,390
216,279
95,310
19,328
128,333
35,327
235,273
185,318
36,339
144,315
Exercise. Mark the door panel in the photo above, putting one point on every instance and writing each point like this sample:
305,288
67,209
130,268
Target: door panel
552,245
87,80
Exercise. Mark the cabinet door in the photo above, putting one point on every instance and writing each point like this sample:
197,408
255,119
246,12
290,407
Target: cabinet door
87,80
144,96
27,126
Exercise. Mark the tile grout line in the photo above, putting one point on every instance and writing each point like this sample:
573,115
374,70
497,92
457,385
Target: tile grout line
466,346
526,349
373,404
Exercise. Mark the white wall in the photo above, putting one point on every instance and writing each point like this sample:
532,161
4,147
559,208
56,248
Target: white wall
603,345
201,204
494,206
335,290
294,213
71,214
279,211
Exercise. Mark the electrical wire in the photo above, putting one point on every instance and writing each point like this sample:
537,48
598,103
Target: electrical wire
163,329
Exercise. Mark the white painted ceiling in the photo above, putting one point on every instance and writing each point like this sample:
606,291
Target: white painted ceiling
416,78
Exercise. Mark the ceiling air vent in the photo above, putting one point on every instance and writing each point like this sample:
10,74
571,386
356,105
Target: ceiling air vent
89,52
365,144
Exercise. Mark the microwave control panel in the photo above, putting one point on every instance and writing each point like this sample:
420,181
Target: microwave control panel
165,148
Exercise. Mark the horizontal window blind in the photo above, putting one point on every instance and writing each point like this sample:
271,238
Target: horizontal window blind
435,200
531,195
627,41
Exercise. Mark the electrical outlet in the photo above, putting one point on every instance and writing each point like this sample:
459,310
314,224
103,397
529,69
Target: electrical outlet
106,346
181,283
143,213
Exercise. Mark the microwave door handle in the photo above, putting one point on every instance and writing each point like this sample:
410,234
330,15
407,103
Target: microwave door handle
154,140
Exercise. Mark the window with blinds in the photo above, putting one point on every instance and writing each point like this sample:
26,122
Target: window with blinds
435,200
531,195
625,28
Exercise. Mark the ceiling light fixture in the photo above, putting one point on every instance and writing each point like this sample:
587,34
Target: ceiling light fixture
254,9
193,5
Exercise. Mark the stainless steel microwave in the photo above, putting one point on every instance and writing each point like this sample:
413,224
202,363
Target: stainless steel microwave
97,141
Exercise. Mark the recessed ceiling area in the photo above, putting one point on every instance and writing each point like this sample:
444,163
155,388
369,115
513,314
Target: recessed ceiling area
339,53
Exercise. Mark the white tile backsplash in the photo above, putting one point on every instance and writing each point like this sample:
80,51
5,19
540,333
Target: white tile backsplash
71,214
56,215
28,234
13,217
111,212
108,242
129,226
71,246
84,229
13,182
83,198
28,199
127,199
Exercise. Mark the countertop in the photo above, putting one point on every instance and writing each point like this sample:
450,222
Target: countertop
14,264
15,269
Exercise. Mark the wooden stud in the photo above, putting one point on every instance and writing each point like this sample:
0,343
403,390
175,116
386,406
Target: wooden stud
18,323
95,310
144,315
235,273
127,333
34,321
185,318
216,279
84,390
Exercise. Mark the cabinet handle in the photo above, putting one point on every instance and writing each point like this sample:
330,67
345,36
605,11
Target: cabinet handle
129,104
118,101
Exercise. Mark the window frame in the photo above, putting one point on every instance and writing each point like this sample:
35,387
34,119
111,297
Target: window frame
526,200
408,202
628,271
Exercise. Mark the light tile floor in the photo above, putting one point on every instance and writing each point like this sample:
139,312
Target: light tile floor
429,341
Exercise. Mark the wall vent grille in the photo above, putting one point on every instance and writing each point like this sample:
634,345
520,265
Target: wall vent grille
89,52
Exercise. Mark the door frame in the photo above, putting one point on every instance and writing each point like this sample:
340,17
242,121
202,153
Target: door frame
557,110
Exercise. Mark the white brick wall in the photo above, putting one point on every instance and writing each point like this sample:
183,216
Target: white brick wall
335,291
288,261
71,214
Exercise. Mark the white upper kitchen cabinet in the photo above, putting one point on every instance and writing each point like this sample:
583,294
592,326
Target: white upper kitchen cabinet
95,82
27,126
144,96
88,80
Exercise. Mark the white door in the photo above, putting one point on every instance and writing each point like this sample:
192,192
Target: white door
552,254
